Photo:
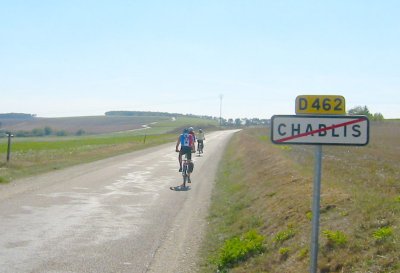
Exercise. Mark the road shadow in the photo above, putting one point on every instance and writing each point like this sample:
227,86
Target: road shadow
180,188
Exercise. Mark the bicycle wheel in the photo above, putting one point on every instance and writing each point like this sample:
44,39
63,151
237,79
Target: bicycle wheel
184,174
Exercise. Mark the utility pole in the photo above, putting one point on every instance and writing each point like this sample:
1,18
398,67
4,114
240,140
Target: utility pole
220,109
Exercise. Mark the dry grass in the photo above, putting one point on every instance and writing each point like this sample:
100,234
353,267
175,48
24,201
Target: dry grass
269,187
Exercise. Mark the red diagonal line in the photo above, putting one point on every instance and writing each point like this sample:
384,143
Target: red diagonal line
321,130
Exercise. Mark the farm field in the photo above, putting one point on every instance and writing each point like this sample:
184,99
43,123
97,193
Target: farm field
34,155
90,124
265,191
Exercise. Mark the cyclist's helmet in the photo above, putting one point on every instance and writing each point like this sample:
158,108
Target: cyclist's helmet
200,130
186,130
190,129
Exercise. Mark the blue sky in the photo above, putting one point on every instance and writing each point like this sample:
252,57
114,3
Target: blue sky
80,58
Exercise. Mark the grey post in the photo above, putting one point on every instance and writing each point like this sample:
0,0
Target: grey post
9,145
315,209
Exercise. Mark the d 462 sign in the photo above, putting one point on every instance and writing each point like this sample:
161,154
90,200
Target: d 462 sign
320,104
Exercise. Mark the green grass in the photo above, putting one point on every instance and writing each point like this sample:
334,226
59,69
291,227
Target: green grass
32,157
41,154
335,238
284,235
383,233
239,248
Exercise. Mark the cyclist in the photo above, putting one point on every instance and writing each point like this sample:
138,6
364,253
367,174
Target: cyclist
200,140
186,141
191,131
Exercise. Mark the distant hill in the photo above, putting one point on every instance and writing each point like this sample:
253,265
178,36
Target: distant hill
17,116
23,124
140,114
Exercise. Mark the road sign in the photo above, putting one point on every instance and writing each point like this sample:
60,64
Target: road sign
330,130
320,104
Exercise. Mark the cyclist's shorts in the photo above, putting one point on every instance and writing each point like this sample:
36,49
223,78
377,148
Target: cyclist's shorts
186,150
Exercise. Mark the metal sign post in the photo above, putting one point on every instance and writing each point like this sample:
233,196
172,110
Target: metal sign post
9,146
319,121
315,209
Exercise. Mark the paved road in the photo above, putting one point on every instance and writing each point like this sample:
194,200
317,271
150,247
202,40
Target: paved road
113,215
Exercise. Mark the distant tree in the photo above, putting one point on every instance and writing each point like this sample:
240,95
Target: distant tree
255,121
61,133
363,110
238,122
22,134
38,132
48,131
378,117
360,110
80,132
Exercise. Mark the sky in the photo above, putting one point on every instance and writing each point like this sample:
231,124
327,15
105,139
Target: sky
238,59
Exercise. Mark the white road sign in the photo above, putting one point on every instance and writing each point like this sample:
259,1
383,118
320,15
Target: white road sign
331,130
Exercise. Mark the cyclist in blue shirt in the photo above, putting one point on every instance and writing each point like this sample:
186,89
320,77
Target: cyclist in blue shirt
186,141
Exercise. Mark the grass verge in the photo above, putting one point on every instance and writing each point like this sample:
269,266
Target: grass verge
34,157
268,188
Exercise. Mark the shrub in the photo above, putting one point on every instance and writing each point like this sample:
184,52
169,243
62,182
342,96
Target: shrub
239,248
284,235
335,238
38,132
303,253
48,131
383,233
3,179
284,251
80,132
61,133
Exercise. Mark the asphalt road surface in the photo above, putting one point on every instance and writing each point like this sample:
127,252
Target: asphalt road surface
113,215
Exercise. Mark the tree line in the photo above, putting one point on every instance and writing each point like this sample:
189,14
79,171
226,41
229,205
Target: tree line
17,116
153,114
239,122
363,110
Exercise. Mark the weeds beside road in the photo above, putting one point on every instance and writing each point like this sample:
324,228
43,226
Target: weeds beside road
268,188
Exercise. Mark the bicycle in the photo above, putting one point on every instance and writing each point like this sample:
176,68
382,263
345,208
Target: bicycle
200,146
187,169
